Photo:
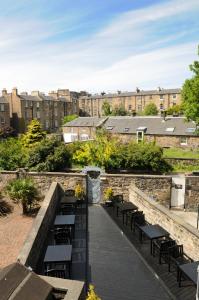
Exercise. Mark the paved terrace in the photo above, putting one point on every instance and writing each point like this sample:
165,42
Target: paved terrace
116,269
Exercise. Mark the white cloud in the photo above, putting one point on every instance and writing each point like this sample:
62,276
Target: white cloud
124,54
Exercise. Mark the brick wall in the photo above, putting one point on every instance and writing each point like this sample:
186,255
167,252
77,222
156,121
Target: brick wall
155,213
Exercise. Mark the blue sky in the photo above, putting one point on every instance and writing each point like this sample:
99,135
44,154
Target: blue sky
98,45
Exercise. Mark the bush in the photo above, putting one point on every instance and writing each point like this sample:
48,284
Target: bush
108,193
23,191
13,155
49,155
79,191
91,294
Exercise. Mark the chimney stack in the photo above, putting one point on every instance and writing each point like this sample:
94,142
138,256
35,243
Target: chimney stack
4,92
137,90
15,91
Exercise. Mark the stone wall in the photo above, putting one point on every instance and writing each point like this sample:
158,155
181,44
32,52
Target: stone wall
191,192
158,187
155,213
35,242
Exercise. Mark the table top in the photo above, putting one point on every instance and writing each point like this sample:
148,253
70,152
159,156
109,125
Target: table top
64,220
190,270
58,253
154,231
68,199
126,206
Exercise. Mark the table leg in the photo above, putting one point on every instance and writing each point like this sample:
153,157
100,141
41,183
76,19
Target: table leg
117,210
151,246
123,213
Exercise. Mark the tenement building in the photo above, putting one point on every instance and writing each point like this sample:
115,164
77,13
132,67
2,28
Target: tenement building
48,109
4,112
132,102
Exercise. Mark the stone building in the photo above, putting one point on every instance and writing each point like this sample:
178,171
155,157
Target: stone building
166,132
4,112
133,102
48,109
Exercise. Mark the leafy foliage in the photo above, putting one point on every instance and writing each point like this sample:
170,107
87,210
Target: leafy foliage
79,191
119,111
150,110
106,108
34,134
6,132
49,155
13,155
91,294
69,118
175,110
190,94
23,191
108,193
109,153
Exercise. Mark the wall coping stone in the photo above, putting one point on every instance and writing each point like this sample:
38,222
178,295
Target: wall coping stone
137,175
166,212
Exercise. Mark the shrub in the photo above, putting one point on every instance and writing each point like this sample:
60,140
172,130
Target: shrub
13,155
23,191
34,134
91,294
108,193
79,191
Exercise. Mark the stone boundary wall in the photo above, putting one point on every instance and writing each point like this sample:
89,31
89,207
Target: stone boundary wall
191,192
155,213
35,242
44,180
158,187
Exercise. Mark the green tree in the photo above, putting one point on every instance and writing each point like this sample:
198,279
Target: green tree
150,110
190,94
69,118
175,110
49,155
119,111
24,192
12,154
106,108
34,134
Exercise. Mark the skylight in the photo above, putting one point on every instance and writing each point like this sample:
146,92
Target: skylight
190,130
142,128
170,129
109,127
126,129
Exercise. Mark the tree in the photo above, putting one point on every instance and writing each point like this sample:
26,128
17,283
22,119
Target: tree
49,155
119,111
190,94
34,134
175,110
12,154
23,191
69,118
106,108
150,110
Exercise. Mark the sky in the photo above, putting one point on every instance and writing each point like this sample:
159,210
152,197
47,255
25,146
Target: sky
97,45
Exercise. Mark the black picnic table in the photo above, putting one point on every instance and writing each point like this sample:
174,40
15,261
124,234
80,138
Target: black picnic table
58,254
125,207
153,232
189,270
68,221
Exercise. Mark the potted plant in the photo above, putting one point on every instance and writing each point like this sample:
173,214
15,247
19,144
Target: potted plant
108,195
79,192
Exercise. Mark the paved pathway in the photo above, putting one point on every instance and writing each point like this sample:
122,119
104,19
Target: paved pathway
116,269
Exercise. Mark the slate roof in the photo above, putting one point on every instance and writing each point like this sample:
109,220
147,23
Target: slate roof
127,94
86,122
129,125
3,100
18,283
154,125
30,98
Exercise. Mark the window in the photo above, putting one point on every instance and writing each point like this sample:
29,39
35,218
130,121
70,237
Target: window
130,107
26,114
56,123
140,136
170,129
56,113
174,96
161,97
126,129
55,104
190,130
38,104
183,140
109,128
38,115
47,124
26,104
31,104
139,108
2,107
3,120
161,106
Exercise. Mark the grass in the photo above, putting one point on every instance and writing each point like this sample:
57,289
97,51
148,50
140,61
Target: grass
184,168
180,153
